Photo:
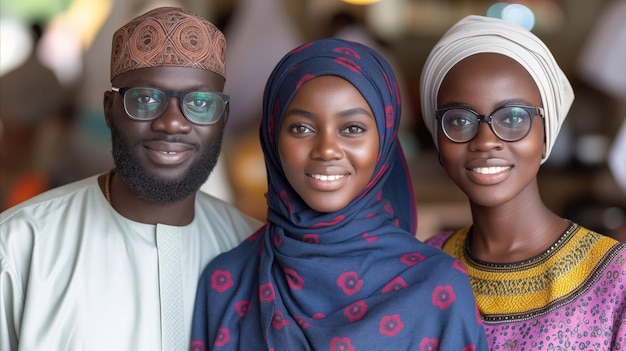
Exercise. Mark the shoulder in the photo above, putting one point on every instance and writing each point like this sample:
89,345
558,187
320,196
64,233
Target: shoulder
224,214
52,201
441,279
47,214
439,239
50,216
234,268
451,242
429,263
440,261
599,244
248,248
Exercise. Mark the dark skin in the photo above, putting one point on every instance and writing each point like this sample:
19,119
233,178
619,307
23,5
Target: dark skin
329,130
166,147
510,221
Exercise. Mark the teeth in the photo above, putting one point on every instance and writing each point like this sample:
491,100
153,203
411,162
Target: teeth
323,177
169,152
490,170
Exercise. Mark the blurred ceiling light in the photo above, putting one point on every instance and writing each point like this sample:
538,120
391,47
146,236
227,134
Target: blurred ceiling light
70,29
70,34
16,43
361,2
516,13
60,49
495,10
386,18
86,17
40,10
520,14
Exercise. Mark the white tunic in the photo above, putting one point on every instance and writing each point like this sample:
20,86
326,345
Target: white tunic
76,275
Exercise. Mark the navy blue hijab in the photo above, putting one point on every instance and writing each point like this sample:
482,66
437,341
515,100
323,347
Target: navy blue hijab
356,279
370,73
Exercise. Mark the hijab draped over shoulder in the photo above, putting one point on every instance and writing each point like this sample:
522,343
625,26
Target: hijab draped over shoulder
478,34
356,279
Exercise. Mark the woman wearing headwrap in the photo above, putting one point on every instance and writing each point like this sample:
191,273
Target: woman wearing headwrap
337,266
541,282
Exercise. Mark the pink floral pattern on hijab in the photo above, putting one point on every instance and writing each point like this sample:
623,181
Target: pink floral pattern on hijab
356,279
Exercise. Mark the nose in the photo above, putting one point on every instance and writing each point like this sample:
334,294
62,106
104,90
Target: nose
485,139
326,147
172,121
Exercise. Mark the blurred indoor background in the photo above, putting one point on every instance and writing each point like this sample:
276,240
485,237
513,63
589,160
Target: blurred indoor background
54,68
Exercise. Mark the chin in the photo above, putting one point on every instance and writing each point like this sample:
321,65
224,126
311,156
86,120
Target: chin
326,207
485,200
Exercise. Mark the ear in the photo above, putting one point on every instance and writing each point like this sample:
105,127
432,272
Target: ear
108,106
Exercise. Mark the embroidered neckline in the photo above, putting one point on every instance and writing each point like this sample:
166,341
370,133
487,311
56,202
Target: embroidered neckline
530,288
560,242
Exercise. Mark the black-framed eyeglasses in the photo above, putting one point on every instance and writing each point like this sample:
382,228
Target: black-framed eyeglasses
509,123
147,104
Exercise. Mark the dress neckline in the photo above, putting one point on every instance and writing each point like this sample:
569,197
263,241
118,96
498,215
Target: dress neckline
560,242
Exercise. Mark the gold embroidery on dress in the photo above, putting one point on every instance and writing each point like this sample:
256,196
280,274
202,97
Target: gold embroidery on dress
522,290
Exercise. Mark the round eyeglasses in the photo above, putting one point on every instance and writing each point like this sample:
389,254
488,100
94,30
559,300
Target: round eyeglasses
509,123
198,107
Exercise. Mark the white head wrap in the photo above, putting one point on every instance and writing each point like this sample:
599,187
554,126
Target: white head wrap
478,34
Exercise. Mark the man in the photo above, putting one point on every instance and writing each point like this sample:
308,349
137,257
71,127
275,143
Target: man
111,262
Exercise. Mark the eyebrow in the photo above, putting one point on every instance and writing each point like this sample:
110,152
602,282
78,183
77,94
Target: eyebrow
343,113
355,111
298,112
517,101
147,83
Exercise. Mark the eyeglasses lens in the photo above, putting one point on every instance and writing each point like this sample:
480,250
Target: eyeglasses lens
203,107
144,104
459,125
510,123
198,107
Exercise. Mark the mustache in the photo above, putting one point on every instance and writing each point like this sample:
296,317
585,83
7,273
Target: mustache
169,139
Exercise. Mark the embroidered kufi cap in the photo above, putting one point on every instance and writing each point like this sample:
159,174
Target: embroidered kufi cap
168,37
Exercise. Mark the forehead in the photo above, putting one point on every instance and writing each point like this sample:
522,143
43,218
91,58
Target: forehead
328,94
322,85
488,74
176,78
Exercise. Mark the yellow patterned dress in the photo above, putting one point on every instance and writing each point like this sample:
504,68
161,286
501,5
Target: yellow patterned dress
571,297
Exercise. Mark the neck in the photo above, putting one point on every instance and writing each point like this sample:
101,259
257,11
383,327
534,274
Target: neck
514,232
131,206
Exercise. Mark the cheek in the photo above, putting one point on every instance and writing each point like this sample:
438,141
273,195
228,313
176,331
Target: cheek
529,151
370,156
533,145
291,155
133,131
285,152
448,150
441,139
210,134
364,155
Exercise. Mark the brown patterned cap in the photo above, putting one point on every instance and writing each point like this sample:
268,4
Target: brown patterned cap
168,36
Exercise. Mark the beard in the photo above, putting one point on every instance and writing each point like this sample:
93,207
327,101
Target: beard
153,189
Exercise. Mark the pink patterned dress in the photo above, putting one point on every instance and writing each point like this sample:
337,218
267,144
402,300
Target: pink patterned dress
571,297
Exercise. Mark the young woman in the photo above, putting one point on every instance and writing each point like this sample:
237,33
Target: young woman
337,267
494,98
